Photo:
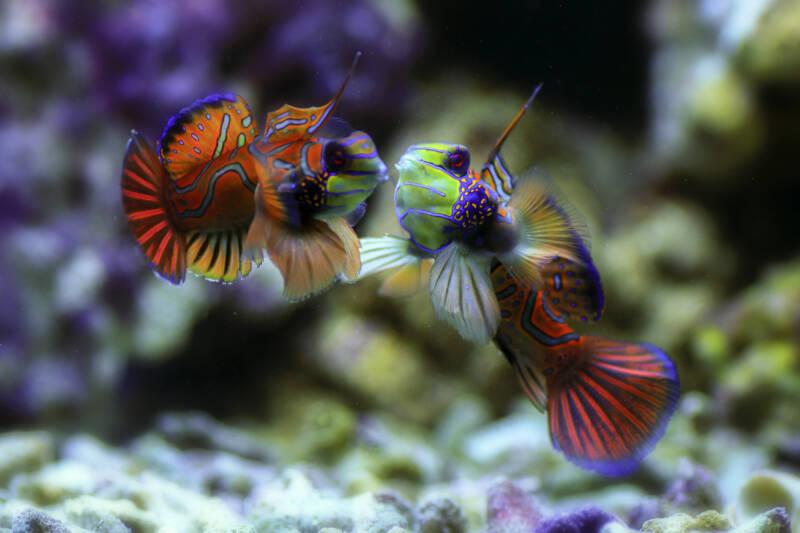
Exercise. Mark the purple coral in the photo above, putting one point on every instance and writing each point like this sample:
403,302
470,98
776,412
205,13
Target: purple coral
585,520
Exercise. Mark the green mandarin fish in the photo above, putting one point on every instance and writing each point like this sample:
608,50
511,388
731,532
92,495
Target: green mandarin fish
607,402
462,220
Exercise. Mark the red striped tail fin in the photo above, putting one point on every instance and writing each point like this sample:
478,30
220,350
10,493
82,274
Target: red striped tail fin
146,208
606,412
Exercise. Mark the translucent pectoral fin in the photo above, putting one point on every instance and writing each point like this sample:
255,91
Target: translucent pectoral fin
461,293
350,243
548,227
311,259
409,280
379,254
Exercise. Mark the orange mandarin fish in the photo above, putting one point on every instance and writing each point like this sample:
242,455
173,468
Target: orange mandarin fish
219,192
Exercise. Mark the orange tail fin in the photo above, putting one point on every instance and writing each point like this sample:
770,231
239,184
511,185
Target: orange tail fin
144,200
609,410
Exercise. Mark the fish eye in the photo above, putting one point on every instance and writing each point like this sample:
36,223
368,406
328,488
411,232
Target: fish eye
334,157
458,162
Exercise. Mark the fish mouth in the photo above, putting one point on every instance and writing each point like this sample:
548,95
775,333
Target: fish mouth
382,174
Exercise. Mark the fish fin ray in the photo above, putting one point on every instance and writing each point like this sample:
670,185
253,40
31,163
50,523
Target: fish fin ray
310,259
462,294
530,379
148,212
349,239
548,227
379,254
408,280
218,255
609,410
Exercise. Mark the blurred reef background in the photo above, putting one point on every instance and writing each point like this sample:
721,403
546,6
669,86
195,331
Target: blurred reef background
127,404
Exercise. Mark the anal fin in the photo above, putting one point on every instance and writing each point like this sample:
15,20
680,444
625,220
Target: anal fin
529,377
218,255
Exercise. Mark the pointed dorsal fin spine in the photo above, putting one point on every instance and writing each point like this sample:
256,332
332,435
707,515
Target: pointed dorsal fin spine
331,107
495,151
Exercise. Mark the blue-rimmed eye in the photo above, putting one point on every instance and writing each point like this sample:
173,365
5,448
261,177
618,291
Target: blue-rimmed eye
334,157
458,162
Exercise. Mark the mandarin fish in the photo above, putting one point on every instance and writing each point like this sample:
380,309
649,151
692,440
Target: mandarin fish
608,403
218,192
461,220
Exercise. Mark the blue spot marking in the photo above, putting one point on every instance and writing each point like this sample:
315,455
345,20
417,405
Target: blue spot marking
557,281
195,137
200,127
208,116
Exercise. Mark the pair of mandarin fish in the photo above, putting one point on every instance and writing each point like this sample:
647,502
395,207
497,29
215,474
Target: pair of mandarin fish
505,259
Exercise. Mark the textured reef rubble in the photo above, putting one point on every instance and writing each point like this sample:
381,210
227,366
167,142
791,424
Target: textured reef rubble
191,473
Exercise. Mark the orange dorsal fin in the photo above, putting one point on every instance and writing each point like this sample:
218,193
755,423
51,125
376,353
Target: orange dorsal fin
204,131
289,123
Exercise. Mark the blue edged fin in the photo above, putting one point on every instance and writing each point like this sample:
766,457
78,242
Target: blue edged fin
144,199
204,131
547,227
573,288
609,410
